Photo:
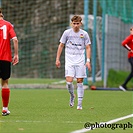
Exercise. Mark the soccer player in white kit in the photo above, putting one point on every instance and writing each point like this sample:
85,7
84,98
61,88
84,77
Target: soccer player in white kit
75,41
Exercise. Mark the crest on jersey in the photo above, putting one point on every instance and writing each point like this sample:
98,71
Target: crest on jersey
81,36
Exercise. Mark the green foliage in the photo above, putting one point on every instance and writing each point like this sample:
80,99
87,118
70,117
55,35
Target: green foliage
116,78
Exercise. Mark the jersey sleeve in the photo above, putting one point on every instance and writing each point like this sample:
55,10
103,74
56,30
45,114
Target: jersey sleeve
63,38
87,39
126,41
12,32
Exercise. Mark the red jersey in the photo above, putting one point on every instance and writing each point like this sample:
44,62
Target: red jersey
6,34
129,42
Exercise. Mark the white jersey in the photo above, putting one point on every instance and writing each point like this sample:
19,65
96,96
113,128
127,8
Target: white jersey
75,43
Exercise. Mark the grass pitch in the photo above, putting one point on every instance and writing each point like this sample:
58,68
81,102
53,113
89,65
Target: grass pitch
48,111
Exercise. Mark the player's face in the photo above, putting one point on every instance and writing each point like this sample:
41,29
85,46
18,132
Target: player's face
76,25
131,31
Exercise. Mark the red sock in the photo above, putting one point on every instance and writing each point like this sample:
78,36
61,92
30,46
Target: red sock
5,93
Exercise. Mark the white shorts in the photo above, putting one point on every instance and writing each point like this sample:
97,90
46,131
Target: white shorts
75,71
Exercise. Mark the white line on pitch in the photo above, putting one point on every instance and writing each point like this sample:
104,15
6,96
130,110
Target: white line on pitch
108,122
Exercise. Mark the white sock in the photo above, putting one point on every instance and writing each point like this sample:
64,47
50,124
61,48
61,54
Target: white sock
70,88
80,93
5,108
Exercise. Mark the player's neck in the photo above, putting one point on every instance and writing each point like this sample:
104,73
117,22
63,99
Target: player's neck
1,18
76,30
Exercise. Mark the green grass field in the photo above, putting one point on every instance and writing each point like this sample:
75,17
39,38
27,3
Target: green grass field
48,111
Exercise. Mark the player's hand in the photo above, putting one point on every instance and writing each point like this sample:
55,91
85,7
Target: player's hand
131,51
15,60
88,65
58,64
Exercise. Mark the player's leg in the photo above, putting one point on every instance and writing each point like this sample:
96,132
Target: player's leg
80,75
130,76
69,74
80,92
5,91
70,87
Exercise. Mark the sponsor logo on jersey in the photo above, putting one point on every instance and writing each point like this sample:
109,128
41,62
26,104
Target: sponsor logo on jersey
75,44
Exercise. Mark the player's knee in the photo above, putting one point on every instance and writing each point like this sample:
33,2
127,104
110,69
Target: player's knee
80,80
69,79
4,83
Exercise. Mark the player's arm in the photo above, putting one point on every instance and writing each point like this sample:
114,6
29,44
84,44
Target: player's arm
59,51
125,44
16,57
88,55
128,48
